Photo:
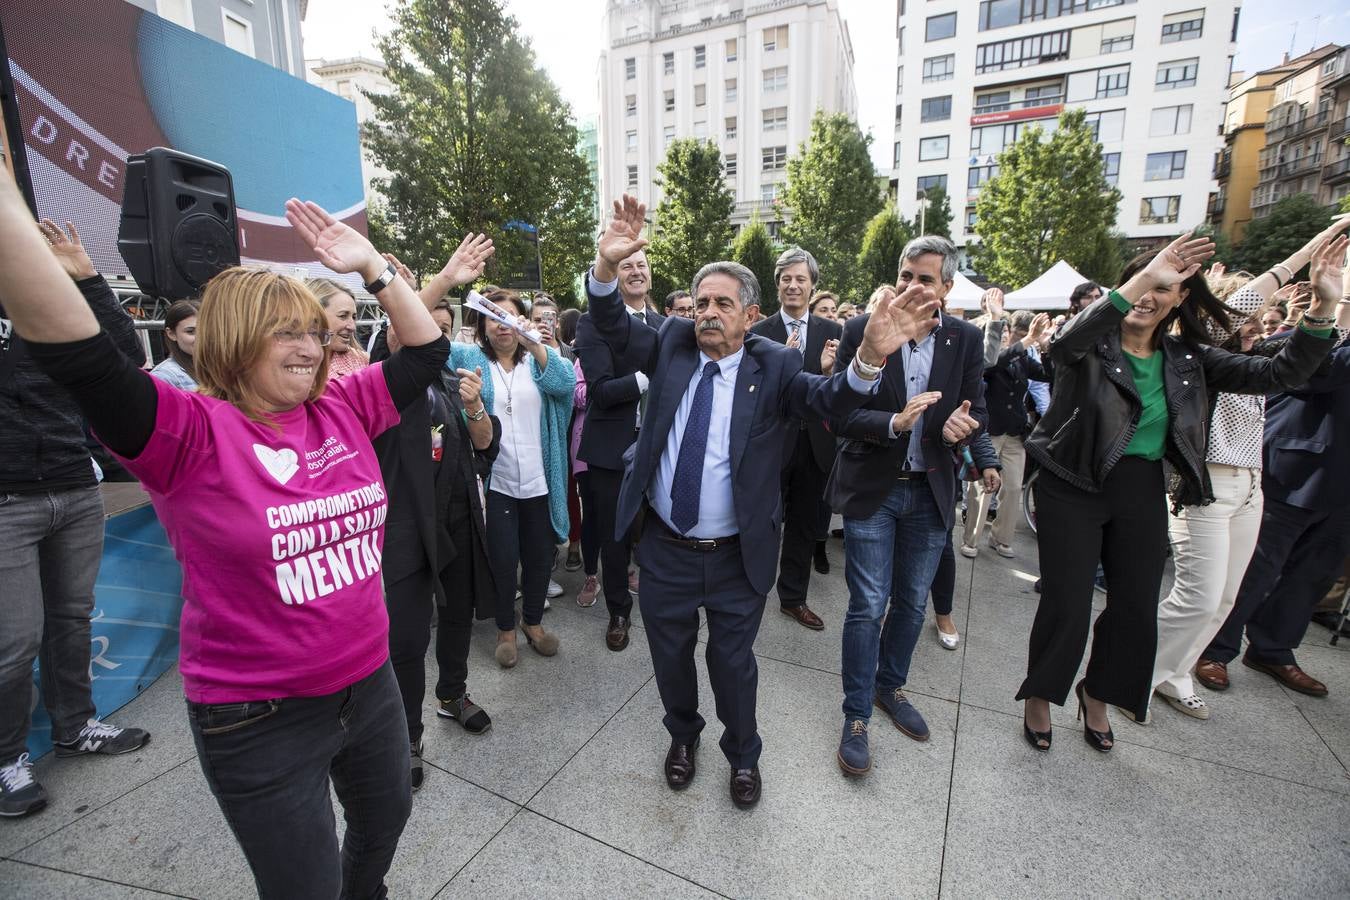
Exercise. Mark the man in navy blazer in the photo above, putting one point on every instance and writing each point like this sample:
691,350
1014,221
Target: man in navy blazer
1305,532
702,482
894,482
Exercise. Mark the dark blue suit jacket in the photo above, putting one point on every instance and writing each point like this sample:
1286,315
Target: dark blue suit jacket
612,396
868,458
772,392
1308,438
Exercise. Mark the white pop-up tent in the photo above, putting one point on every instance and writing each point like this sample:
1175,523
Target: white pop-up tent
1050,290
965,294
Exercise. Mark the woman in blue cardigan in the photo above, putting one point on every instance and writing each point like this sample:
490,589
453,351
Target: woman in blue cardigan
528,387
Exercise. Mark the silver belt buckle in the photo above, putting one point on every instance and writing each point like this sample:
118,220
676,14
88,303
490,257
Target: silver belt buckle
706,543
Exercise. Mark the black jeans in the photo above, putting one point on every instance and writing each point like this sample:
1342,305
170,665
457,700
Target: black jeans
944,582
1125,526
803,485
455,627
590,532
520,535
1298,555
269,764
615,553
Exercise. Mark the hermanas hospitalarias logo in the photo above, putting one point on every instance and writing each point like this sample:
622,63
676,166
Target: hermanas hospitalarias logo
280,464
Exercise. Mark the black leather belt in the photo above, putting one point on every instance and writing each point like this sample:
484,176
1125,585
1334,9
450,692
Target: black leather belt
706,545
911,475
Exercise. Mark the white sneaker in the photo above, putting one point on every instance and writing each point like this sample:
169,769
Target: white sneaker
968,551
1192,706
1003,550
554,589
949,641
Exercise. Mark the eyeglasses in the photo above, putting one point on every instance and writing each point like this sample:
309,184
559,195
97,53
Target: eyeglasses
295,338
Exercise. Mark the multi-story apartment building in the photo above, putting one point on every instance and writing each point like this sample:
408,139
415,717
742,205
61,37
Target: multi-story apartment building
352,79
267,30
746,75
1151,76
1305,133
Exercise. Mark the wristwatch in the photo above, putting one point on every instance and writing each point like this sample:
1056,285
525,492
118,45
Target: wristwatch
478,416
385,279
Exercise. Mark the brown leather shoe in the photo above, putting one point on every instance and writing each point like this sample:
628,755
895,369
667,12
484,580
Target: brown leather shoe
745,787
1212,674
680,764
616,638
1291,676
802,613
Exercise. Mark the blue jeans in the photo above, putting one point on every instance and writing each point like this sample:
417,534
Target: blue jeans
891,555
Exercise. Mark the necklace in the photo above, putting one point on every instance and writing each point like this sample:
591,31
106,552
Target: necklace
507,381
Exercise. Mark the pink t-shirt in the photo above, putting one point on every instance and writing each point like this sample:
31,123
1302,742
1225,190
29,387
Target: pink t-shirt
279,535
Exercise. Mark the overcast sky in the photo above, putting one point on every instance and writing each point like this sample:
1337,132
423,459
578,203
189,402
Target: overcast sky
567,38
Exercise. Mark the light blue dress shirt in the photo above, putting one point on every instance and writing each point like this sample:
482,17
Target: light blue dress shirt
787,324
1039,390
918,368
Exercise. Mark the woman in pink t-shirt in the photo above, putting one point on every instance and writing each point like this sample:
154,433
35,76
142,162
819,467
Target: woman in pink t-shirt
269,490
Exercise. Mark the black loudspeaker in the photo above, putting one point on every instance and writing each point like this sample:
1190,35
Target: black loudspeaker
178,226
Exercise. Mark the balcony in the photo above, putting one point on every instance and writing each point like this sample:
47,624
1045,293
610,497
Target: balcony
1296,167
1309,124
1337,171
1215,207
1340,129
1223,166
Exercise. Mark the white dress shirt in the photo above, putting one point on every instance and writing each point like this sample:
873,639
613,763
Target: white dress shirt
802,324
519,468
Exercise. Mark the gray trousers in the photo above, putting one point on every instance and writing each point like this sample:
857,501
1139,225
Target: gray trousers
50,547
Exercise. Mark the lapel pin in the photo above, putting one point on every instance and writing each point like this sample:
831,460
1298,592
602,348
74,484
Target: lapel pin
949,342
752,388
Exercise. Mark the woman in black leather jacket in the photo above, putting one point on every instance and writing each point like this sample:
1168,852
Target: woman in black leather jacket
1129,396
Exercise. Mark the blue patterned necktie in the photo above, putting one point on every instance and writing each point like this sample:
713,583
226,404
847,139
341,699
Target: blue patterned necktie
687,485
797,330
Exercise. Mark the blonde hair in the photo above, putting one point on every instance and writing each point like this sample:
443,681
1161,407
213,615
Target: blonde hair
241,309
880,292
1226,285
325,289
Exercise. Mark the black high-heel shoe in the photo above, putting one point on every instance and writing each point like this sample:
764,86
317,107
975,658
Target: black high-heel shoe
1101,741
1034,738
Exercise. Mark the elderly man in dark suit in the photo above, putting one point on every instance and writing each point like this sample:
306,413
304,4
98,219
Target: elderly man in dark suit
808,451
895,485
614,392
709,535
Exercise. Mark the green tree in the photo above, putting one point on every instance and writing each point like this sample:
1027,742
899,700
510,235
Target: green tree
1107,259
1291,223
1049,201
830,196
692,223
756,250
475,135
937,217
879,259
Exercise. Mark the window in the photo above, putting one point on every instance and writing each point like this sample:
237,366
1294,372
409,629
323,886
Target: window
939,68
897,115
1111,168
936,109
1179,73
632,176
630,68
1113,82
1169,120
775,119
775,38
976,176
667,136
630,105
1107,126
730,128
934,147
1159,210
770,191
667,63
238,33
899,78
729,93
700,131
700,56
927,183
775,79
1004,13
1329,66
1019,52
773,159
998,101
988,140
1186,26
970,220
700,95
895,154
1118,44
940,27
630,141
178,12
1046,93
729,165
731,49
670,101
1165,166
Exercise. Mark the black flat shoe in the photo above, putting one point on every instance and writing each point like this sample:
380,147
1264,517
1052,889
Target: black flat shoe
1039,740
1101,741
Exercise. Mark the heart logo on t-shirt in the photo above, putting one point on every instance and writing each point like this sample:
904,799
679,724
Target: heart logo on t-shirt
281,464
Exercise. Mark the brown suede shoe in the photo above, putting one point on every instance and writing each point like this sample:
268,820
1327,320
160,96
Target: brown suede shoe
1212,674
1291,676
802,613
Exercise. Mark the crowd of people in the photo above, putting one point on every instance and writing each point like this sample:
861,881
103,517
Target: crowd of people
328,502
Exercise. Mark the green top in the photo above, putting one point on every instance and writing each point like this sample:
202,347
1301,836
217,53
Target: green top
1150,438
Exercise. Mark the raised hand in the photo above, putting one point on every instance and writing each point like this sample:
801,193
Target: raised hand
1177,261
469,260
1328,273
992,301
960,424
795,339
828,355
335,244
470,387
403,271
1040,324
68,250
904,420
1218,270
622,237
896,320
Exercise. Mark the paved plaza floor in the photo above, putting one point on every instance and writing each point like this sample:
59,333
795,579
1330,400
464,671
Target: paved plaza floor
564,797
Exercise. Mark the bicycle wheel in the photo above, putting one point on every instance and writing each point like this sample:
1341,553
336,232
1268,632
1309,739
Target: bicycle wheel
1029,500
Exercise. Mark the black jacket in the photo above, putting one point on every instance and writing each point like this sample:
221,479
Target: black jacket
1005,380
1095,408
42,442
612,396
818,331
1307,440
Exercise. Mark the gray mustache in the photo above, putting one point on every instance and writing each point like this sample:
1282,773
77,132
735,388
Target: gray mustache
710,325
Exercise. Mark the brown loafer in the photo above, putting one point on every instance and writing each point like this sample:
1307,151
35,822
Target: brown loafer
680,764
1291,676
802,613
1212,674
616,637
745,787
